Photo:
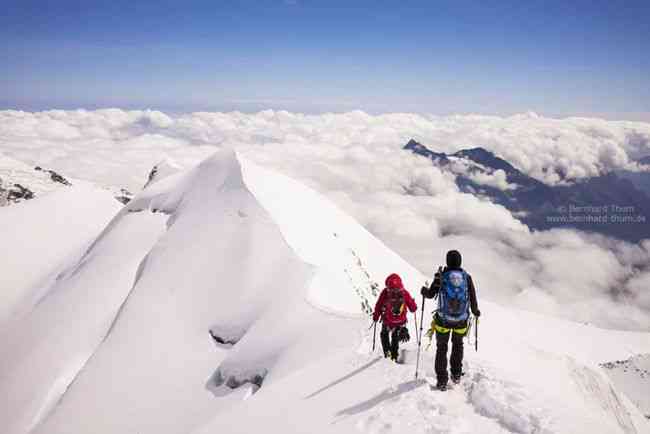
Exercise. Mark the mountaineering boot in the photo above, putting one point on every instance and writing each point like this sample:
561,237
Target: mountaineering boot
455,378
441,385
386,354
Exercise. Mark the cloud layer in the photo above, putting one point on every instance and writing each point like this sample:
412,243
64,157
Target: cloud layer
355,159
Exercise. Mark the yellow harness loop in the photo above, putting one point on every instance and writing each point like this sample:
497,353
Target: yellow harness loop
460,331
436,328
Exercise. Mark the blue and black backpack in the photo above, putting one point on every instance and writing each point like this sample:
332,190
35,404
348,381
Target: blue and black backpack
453,298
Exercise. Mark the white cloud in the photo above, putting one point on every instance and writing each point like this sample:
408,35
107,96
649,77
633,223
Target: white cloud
488,177
355,159
496,179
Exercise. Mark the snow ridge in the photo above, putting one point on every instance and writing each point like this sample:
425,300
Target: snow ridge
194,253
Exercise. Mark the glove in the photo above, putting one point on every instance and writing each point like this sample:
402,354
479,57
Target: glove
424,291
477,313
404,335
375,317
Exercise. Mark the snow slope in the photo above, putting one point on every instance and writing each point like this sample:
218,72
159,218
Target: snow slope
121,342
229,298
531,374
39,236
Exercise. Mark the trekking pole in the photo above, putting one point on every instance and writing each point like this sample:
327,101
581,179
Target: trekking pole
374,336
476,335
416,326
417,364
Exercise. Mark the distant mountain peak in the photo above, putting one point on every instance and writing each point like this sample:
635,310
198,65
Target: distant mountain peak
413,145
477,154
476,151
420,149
487,158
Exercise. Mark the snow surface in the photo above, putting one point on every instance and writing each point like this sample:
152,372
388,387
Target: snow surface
122,341
39,236
523,379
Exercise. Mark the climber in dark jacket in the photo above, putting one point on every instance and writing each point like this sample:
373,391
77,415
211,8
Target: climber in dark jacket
456,297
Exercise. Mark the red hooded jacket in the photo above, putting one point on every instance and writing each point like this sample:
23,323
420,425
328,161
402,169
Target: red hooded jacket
393,302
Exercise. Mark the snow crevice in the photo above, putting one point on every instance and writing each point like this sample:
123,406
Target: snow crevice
226,336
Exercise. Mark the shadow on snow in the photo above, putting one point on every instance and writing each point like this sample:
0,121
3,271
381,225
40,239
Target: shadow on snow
386,394
342,379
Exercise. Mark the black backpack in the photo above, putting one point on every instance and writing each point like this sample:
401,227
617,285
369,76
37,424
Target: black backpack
396,301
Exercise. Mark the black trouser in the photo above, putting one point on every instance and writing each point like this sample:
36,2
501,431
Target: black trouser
390,345
456,359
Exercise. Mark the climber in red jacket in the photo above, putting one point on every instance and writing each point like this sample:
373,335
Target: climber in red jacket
391,306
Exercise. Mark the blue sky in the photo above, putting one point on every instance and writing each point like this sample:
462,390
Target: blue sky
556,58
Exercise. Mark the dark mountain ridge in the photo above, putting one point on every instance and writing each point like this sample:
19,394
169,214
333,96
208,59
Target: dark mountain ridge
611,204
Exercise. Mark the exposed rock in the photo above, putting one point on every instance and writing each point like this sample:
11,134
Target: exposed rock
54,176
124,196
161,170
15,193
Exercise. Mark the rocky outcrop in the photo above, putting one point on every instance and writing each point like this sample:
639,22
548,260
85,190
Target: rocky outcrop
14,193
161,170
54,176
124,196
